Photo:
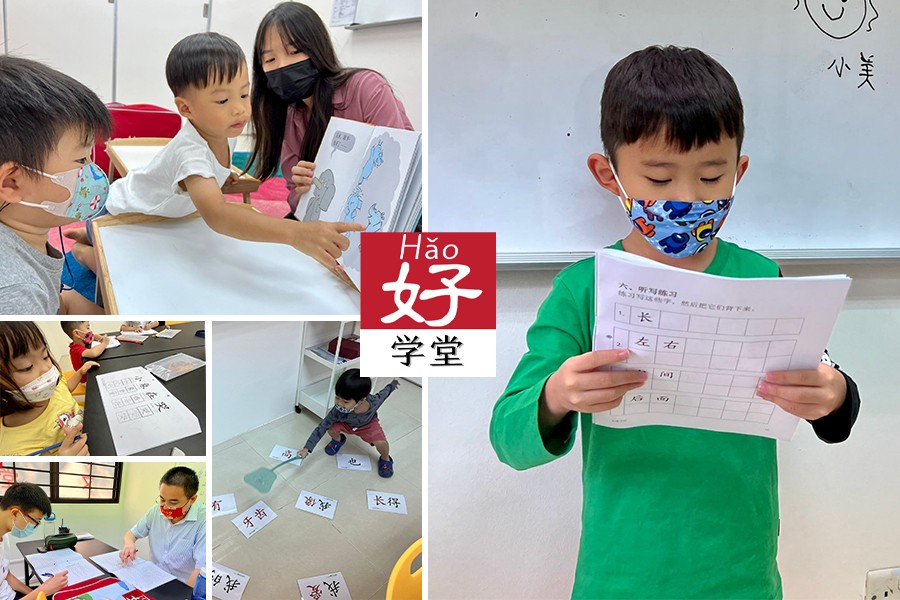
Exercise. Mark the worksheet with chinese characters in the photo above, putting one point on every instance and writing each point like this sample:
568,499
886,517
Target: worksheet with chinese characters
707,341
139,573
141,412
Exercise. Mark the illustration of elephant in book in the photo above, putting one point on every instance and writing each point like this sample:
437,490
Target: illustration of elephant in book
323,194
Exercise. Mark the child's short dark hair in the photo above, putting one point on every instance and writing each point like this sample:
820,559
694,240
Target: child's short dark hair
681,92
69,327
182,477
202,59
351,386
40,105
26,496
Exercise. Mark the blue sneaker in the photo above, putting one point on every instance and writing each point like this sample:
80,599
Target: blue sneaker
386,467
332,448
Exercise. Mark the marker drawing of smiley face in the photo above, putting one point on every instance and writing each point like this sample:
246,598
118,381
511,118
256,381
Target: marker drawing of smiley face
840,19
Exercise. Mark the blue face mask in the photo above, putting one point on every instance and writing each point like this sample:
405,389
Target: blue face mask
346,411
674,228
88,189
27,531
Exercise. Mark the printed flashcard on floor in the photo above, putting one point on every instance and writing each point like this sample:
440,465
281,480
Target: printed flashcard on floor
706,342
227,584
283,453
324,586
354,462
223,505
316,504
141,412
254,518
386,502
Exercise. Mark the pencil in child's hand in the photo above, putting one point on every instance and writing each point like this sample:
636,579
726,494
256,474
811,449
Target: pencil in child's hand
49,448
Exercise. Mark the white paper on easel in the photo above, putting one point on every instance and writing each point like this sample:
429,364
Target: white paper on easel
707,341
141,412
139,573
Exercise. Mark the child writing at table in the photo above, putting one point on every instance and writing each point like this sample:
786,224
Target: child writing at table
668,512
138,326
37,409
207,73
82,343
48,124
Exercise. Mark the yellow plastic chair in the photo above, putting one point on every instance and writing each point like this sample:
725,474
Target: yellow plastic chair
403,584
80,391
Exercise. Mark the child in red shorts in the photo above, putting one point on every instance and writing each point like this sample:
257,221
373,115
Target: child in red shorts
355,411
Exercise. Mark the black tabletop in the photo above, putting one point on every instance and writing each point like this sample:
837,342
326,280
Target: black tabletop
189,388
171,590
186,339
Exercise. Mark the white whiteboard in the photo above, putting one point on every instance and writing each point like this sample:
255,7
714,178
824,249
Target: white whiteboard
514,112
182,267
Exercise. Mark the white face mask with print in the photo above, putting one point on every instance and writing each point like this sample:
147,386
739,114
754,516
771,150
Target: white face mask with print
40,388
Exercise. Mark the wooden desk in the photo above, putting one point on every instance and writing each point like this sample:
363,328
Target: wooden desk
156,266
130,153
171,590
190,388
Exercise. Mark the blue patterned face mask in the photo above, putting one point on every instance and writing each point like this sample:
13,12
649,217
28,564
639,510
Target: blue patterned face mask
346,411
674,228
88,189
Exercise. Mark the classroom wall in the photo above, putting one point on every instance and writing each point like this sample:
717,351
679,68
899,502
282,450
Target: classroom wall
506,534
108,522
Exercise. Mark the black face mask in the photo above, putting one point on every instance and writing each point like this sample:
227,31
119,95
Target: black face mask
294,82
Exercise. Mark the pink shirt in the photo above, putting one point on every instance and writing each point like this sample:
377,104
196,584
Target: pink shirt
365,97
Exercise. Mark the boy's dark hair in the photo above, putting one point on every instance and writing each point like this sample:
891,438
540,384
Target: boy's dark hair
69,327
351,386
681,92
26,496
40,105
182,477
202,59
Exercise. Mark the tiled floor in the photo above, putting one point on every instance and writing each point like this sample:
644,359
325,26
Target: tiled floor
362,544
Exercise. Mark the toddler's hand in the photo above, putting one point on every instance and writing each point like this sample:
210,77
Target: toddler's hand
87,366
578,385
809,394
302,176
71,446
303,453
323,240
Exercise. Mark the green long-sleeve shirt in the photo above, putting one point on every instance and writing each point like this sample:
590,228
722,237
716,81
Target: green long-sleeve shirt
668,512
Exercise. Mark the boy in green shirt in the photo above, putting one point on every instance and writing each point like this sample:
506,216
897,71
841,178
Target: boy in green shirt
668,512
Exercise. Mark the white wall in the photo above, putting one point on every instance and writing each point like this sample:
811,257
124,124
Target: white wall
255,369
515,535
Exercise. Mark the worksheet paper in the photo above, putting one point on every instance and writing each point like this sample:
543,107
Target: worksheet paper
354,462
223,505
141,574
113,343
227,584
168,334
322,506
386,502
283,453
48,564
331,586
707,341
141,412
254,518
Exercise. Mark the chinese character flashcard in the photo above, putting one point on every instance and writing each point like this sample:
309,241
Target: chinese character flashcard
227,584
321,506
386,502
252,520
283,453
354,462
324,587
223,505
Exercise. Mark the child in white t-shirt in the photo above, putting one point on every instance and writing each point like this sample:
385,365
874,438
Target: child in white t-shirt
207,72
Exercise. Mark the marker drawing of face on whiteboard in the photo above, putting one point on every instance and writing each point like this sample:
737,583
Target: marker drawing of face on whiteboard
840,19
